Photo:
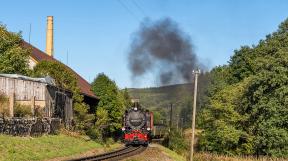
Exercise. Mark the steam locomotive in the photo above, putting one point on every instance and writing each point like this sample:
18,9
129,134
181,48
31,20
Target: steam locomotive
137,125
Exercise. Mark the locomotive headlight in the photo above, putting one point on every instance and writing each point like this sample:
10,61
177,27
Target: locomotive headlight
148,129
135,108
123,128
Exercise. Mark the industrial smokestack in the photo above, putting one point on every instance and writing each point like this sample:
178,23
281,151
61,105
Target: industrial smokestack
49,36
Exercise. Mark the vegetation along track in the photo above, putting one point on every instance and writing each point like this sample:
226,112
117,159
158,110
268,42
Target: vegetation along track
114,155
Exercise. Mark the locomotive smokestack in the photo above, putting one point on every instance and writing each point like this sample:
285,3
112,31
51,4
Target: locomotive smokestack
135,102
49,36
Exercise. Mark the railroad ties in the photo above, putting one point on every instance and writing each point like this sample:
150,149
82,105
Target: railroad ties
114,155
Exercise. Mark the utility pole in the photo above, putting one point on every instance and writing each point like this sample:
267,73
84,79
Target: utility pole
171,115
196,73
177,122
182,125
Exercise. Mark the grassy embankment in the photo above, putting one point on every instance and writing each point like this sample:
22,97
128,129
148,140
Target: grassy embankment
44,147
171,154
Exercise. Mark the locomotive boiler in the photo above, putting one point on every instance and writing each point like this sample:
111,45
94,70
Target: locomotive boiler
137,125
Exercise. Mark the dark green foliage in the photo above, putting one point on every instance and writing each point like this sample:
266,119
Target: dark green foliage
22,110
111,106
66,79
13,57
127,98
247,109
186,114
158,117
176,141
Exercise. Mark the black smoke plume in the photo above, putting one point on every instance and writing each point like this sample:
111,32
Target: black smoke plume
162,48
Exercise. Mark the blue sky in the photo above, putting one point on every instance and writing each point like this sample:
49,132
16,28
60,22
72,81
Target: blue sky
97,34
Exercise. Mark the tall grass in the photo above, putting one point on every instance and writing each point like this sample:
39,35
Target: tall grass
215,157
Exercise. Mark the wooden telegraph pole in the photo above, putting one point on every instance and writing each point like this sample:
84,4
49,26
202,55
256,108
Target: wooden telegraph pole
196,73
171,117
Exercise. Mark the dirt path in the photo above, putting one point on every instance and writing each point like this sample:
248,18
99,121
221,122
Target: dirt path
152,153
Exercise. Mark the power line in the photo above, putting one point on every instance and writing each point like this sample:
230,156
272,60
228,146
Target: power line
128,10
138,6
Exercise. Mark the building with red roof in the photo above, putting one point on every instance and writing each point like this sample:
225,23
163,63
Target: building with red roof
37,55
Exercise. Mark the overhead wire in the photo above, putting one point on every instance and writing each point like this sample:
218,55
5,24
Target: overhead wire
139,7
128,10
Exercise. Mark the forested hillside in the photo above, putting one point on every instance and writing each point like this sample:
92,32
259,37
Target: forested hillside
159,100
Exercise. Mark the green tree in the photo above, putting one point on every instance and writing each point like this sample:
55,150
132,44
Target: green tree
111,100
247,111
98,132
127,98
13,57
66,79
222,122
158,116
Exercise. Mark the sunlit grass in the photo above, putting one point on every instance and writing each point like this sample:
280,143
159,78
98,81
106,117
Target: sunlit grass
171,154
44,147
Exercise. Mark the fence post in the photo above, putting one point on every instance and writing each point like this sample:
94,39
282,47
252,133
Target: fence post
11,104
33,105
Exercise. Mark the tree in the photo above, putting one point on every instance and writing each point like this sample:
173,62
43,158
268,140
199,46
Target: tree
66,79
127,98
111,100
186,113
97,132
222,122
247,111
159,116
13,57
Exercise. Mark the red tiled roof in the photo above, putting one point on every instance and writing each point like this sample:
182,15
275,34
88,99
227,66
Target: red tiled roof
39,55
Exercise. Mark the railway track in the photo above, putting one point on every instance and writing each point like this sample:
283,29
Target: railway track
114,155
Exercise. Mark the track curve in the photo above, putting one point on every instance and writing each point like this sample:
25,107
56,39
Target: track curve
114,155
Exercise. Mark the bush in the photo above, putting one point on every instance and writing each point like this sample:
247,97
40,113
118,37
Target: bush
95,134
176,142
38,112
4,103
22,110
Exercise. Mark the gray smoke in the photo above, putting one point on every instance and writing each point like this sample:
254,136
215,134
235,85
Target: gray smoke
160,47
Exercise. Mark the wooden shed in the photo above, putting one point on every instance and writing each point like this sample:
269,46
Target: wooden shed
40,93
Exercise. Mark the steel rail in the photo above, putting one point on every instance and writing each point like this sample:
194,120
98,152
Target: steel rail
114,155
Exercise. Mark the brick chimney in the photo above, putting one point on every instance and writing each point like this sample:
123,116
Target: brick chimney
49,36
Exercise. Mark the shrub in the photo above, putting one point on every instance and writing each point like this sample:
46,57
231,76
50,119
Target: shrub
22,110
4,103
176,142
38,112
